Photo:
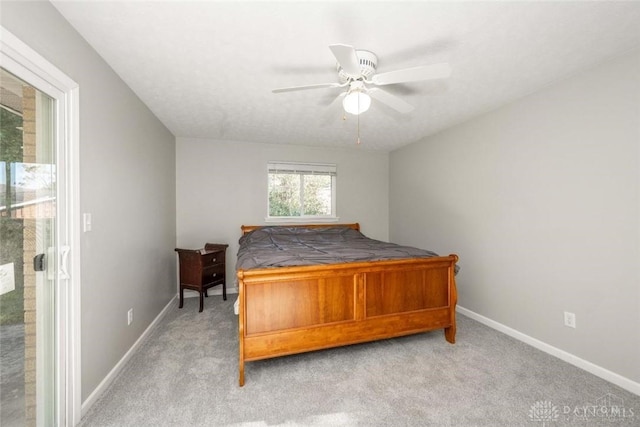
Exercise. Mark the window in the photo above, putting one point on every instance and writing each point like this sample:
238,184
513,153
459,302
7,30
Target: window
302,191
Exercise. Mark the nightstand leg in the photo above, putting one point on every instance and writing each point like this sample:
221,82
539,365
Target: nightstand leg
201,302
224,291
181,296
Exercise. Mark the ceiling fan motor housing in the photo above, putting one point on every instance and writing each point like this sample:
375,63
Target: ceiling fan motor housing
368,64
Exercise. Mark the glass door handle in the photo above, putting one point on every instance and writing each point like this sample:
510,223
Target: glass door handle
64,262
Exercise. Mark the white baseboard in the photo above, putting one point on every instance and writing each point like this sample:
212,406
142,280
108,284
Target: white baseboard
95,395
596,370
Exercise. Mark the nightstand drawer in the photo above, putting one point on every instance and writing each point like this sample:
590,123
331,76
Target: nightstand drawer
213,273
212,258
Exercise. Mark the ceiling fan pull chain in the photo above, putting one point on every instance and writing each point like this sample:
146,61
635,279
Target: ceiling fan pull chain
358,118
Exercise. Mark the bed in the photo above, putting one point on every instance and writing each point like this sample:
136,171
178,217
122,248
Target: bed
313,287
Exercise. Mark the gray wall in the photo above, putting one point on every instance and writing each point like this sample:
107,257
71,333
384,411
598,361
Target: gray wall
127,182
541,200
222,185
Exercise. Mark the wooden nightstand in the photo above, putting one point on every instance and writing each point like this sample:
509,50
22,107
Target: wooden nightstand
201,269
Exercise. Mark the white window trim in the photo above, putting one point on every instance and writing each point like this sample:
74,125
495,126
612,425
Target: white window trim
304,167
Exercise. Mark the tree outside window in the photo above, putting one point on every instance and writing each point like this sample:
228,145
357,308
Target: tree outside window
301,190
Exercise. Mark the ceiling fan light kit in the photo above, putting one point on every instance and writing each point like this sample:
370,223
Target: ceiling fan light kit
356,102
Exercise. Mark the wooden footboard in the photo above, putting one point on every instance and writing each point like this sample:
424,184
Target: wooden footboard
292,310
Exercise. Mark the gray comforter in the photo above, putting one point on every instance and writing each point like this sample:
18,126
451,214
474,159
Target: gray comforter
294,246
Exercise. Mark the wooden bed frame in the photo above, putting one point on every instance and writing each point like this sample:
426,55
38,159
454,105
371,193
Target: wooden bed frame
290,310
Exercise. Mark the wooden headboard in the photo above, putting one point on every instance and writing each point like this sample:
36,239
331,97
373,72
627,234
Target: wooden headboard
248,228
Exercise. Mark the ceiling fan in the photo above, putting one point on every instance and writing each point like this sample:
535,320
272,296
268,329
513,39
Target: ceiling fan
357,73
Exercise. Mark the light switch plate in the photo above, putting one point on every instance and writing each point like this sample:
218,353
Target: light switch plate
86,222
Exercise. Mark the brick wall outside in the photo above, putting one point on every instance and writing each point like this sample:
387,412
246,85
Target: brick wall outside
29,248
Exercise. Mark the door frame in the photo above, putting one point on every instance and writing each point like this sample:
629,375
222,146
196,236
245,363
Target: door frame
25,63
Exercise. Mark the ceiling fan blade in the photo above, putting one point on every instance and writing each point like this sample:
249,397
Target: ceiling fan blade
425,72
338,99
333,111
347,58
390,100
317,86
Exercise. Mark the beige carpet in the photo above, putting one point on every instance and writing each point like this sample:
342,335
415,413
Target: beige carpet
185,374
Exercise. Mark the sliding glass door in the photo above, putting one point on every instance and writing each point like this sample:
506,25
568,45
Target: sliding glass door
28,254
39,255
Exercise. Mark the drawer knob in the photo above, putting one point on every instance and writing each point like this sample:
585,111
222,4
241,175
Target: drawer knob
215,274
213,260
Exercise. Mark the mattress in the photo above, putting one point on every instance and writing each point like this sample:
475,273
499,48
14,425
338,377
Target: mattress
281,246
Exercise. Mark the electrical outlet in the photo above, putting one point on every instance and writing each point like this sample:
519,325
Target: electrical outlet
569,319
130,316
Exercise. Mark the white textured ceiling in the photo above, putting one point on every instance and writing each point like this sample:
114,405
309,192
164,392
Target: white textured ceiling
206,69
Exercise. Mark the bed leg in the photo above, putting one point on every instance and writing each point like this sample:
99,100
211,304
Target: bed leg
450,334
241,370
